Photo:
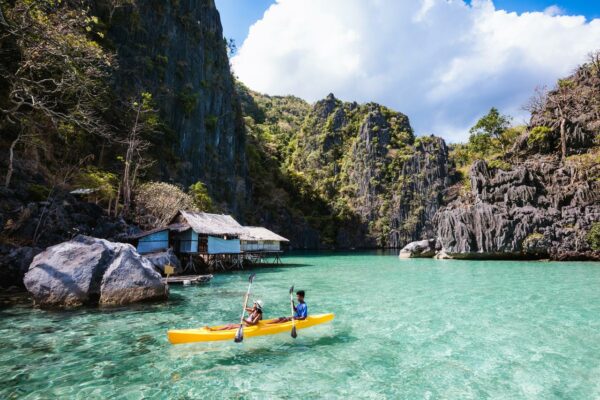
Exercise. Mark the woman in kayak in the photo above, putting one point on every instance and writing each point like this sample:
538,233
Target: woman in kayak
255,314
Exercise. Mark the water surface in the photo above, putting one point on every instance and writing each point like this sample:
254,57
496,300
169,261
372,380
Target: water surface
403,329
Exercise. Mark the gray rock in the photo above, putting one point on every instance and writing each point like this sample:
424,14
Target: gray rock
442,255
418,249
131,278
14,263
72,274
159,260
540,208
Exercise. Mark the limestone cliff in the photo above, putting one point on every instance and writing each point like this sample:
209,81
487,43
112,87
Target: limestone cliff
540,208
546,198
176,51
349,175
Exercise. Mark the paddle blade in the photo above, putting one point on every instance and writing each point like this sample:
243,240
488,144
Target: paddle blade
294,334
251,278
291,290
239,335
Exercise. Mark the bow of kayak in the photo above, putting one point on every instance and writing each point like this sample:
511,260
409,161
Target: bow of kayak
179,336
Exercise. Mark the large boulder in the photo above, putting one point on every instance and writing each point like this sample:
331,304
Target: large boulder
160,259
131,278
419,249
79,271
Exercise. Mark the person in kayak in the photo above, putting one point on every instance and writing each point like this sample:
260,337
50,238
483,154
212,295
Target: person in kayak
255,314
300,310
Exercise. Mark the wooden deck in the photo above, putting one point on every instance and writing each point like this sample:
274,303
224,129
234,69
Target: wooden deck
191,278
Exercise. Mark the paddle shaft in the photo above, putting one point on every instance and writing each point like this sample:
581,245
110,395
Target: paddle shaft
240,333
293,319
245,303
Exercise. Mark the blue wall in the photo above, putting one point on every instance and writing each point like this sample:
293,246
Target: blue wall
154,242
222,246
189,241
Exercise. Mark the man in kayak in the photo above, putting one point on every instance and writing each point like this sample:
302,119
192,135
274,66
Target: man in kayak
255,314
300,310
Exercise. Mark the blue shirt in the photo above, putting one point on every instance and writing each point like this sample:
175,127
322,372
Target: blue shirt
301,311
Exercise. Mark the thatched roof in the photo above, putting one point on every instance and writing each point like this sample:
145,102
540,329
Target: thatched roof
178,227
211,224
259,233
142,234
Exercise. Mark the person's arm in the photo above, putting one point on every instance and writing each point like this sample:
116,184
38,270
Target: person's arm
255,320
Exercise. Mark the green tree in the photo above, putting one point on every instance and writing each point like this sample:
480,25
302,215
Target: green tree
104,182
490,131
201,197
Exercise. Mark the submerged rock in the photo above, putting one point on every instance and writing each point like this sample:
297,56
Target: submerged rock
442,255
419,249
84,270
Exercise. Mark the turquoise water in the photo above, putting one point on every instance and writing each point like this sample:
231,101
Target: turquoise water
408,329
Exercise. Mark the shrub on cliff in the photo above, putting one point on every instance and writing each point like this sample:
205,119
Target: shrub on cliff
156,203
593,236
540,139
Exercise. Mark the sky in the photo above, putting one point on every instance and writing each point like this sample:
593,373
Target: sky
444,63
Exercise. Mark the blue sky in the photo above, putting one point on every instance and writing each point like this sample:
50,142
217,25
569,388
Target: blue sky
440,62
238,15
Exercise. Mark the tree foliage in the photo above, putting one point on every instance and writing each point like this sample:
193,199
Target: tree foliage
156,203
53,74
200,197
103,183
489,133
593,236
490,138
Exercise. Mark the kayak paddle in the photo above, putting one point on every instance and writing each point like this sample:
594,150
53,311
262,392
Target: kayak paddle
294,334
239,336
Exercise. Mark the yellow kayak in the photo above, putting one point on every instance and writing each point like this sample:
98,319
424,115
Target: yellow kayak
178,336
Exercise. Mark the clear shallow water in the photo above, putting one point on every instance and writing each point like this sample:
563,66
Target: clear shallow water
404,329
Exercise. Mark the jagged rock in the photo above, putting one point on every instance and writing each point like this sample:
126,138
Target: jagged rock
367,166
425,177
14,263
60,218
131,278
419,249
73,273
537,246
541,207
159,260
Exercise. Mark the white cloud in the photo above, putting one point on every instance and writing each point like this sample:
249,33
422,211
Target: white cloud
442,62
553,10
